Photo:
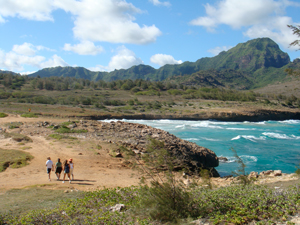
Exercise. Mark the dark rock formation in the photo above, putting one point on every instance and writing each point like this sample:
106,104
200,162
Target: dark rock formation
136,137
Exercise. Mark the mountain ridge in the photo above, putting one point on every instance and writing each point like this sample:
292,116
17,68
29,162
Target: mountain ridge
258,62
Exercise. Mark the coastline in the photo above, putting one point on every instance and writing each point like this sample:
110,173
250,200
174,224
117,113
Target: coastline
232,116
34,129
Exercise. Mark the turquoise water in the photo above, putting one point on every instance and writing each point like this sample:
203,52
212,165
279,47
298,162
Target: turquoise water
266,145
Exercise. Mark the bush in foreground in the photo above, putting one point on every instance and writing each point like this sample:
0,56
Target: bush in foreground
236,205
3,115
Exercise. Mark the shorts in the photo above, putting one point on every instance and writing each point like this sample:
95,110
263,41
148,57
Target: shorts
48,170
58,170
71,171
66,171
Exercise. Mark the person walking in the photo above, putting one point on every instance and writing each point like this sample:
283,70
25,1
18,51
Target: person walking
66,168
58,168
49,166
71,163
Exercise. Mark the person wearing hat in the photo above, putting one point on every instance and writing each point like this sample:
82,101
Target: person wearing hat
71,167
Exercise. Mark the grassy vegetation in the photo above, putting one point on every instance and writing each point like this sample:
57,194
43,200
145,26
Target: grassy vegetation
83,97
236,204
60,137
13,125
64,129
18,137
3,115
29,115
13,159
16,202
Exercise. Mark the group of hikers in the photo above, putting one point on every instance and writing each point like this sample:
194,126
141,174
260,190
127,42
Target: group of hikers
67,167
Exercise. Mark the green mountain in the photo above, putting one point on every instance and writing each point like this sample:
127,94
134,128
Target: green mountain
255,63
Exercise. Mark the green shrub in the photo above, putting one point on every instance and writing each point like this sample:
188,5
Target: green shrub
17,137
64,129
59,137
30,115
3,115
13,158
13,125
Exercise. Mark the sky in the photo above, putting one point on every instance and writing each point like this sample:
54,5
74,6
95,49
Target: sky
104,35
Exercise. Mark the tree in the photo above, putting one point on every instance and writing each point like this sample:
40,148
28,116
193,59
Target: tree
296,31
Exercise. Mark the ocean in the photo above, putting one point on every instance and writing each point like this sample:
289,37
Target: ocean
266,145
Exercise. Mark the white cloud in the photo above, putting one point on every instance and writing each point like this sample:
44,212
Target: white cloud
27,73
28,49
157,3
24,49
108,20
15,62
124,59
24,55
162,59
84,48
236,13
275,29
263,18
217,50
98,68
53,62
30,9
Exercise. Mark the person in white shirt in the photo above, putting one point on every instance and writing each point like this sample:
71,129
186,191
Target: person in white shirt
49,166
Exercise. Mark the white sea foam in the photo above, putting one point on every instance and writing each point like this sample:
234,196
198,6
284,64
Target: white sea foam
277,135
207,124
180,126
261,123
210,139
236,138
296,137
249,137
246,159
290,121
235,128
191,139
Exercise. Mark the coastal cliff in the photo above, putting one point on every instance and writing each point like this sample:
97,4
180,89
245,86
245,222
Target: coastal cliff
212,114
135,137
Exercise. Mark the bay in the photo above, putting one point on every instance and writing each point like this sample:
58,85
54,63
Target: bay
266,145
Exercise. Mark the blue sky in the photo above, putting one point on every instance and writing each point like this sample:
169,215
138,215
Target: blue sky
104,35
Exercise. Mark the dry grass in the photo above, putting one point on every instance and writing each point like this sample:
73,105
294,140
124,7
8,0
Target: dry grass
13,158
17,201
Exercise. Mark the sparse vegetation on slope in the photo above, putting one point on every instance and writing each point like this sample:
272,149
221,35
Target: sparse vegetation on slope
235,204
13,159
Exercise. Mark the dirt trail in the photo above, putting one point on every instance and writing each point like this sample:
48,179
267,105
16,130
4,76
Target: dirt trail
92,171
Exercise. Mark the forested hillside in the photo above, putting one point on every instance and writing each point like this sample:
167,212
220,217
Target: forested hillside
253,64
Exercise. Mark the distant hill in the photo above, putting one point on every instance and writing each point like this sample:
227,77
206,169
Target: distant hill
255,63
10,72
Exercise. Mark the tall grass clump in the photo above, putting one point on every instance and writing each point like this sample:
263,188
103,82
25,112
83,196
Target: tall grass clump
163,196
30,115
13,159
2,115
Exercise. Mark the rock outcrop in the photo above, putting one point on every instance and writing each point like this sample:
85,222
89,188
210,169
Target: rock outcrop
136,137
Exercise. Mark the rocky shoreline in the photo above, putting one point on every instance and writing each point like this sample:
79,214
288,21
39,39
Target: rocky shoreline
136,138
221,115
